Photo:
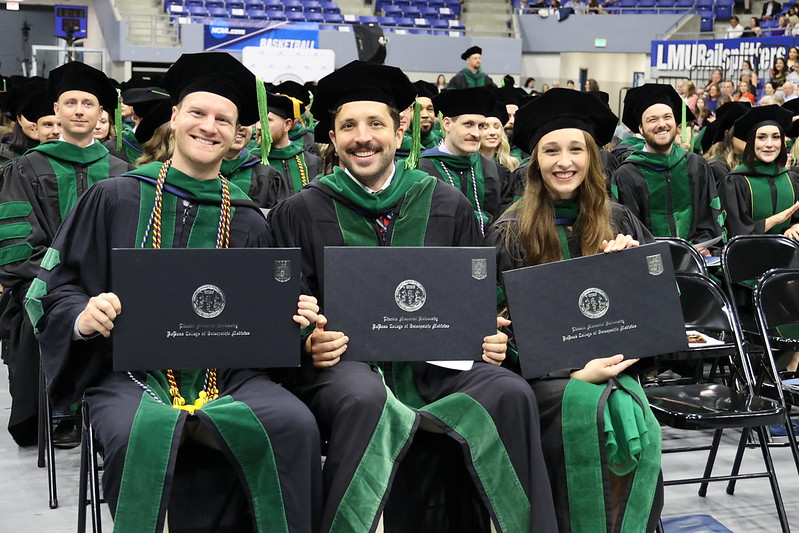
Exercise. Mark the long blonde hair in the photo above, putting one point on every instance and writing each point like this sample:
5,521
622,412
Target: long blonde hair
535,211
503,154
159,147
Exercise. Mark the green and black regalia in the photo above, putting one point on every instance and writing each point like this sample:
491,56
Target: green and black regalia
427,140
466,78
131,149
265,185
486,184
674,195
588,430
750,196
38,190
304,136
296,163
261,472
370,422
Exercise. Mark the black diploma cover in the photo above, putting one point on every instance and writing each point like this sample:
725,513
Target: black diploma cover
566,313
411,304
206,308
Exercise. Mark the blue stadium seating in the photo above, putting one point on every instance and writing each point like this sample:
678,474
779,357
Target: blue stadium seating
723,9
439,24
249,4
456,25
214,3
405,22
333,18
705,20
257,13
275,15
235,4
666,7
197,11
421,23
684,5
387,21
368,19
428,12
292,5
392,11
295,16
273,4
312,6
646,7
330,7
413,12
704,5
314,16
218,12
194,3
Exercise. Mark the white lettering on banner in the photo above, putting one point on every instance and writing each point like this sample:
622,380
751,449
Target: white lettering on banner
286,43
729,56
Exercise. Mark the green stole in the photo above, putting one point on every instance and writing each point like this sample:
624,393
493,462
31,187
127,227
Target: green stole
625,437
633,142
670,202
566,213
762,179
157,427
233,171
431,138
290,154
298,130
63,158
475,189
472,79
132,147
460,412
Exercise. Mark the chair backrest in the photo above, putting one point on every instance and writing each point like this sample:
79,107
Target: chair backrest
705,306
684,256
776,298
747,257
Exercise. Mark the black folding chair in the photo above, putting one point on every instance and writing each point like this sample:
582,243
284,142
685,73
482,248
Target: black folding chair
89,477
46,452
776,302
716,406
684,256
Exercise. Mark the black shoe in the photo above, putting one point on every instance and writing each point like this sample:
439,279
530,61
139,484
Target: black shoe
66,434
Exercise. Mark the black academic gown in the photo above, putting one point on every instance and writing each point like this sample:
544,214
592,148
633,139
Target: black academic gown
263,184
199,485
350,398
550,388
499,188
32,194
632,191
736,197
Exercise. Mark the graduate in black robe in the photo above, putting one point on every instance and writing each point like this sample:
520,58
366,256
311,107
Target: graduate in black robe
457,159
291,159
370,423
143,100
760,196
596,488
38,190
221,450
670,190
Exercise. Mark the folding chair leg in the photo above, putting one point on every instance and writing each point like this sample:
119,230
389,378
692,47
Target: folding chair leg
792,440
711,459
51,472
775,488
83,479
739,455
94,482
42,419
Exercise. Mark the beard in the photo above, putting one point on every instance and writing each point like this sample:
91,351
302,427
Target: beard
660,146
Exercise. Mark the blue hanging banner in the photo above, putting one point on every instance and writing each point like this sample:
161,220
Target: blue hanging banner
220,35
723,53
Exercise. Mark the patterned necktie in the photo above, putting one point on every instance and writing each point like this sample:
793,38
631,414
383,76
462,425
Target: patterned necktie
383,222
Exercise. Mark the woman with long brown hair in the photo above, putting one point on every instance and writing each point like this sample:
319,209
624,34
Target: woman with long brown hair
565,212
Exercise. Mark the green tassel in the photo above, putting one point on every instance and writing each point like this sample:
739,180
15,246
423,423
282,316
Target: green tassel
263,114
416,137
311,120
118,120
4,85
441,123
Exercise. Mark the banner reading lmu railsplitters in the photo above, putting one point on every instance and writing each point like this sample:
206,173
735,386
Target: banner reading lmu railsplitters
725,53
